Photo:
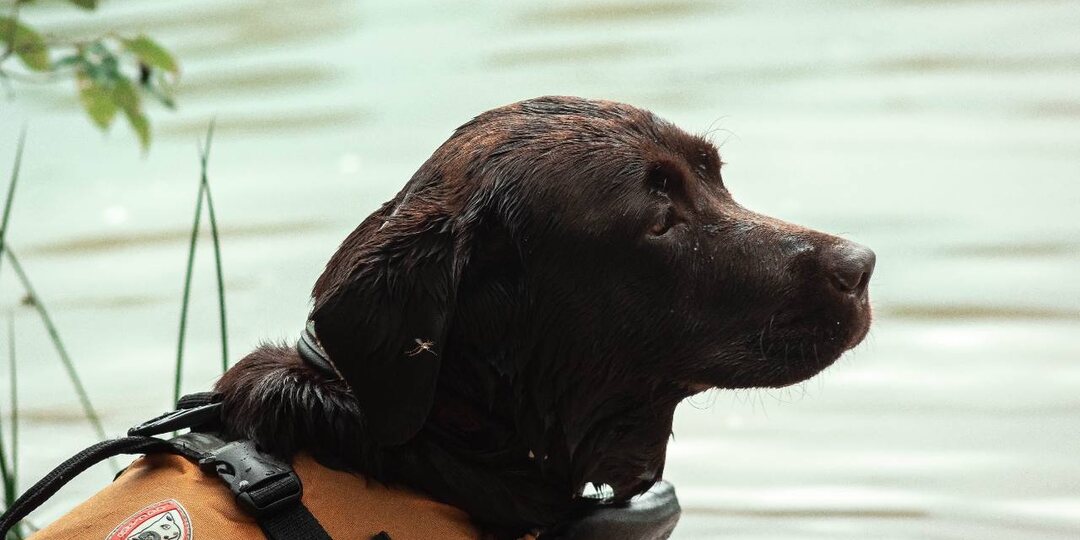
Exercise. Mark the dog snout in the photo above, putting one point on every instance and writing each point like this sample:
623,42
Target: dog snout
850,266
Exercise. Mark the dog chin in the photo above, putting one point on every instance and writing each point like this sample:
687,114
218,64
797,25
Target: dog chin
805,357
784,361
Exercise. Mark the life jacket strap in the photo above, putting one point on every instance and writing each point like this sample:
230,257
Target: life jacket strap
66,471
266,488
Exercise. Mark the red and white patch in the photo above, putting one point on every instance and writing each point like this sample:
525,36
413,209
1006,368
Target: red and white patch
165,520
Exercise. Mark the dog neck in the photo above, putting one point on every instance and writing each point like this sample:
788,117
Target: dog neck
471,453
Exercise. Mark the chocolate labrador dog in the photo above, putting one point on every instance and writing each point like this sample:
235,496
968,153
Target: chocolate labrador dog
523,318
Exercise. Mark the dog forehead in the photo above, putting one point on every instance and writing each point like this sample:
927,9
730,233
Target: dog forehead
573,134
564,107
567,121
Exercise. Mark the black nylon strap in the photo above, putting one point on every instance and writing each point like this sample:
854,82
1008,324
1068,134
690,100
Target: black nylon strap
265,487
66,471
293,523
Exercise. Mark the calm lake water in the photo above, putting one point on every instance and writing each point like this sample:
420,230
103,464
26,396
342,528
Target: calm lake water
945,135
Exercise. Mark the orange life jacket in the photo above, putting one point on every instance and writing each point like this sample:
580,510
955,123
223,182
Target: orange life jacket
168,497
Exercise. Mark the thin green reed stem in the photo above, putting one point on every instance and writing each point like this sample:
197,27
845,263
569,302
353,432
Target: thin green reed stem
204,157
9,474
54,334
13,372
11,189
187,295
203,194
9,489
5,475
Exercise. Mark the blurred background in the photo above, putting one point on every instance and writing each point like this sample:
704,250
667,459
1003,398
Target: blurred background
943,134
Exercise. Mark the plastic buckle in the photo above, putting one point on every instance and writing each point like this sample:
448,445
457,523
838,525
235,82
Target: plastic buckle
178,419
262,484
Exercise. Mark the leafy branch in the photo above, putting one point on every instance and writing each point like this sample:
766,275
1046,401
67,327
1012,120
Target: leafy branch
112,73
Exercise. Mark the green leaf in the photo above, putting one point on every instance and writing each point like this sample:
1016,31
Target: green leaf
68,61
26,43
152,54
141,126
159,88
96,100
100,63
124,96
85,4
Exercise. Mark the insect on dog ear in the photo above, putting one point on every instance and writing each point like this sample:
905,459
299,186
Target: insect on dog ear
383,307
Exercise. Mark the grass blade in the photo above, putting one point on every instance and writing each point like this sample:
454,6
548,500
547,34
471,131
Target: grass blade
186,299
11,326
9,490
54,335
13,372
203,194
11,474
6,476
11,189
203,158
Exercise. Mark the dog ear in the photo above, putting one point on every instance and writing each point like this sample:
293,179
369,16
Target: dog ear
383,308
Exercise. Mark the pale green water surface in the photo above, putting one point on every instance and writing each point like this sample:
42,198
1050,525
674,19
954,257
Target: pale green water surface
945,135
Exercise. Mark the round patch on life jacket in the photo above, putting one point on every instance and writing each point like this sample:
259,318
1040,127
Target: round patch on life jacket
165,520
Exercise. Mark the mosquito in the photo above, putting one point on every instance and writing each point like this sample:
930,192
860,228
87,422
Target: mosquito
422,346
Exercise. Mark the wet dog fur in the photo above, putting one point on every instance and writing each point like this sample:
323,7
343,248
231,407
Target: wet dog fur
523,318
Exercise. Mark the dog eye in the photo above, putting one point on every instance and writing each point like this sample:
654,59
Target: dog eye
667,220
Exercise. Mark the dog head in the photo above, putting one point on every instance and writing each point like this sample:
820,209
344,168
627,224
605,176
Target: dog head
581,255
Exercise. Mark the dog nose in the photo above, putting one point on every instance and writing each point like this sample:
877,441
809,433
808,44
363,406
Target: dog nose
850,266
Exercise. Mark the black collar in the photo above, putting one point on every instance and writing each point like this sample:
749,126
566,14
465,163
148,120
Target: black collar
312,353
